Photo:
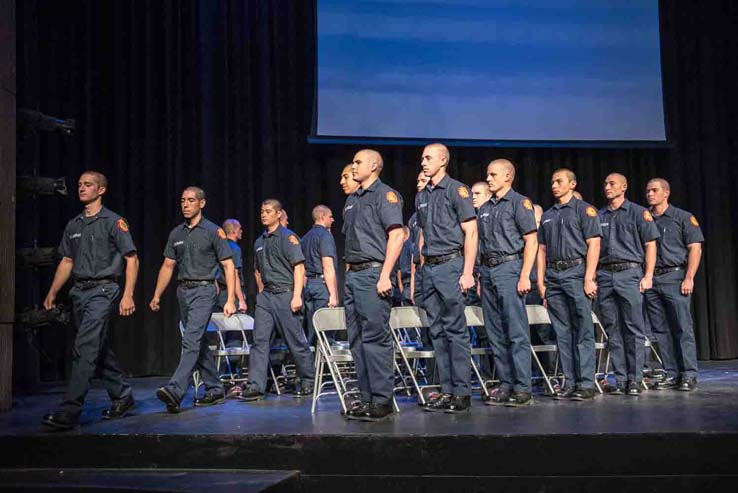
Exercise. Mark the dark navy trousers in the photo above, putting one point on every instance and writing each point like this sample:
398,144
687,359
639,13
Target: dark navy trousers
195,307
621,311
444,304
367,323
506,322
273,312
315,296
571,317
92,309
671,320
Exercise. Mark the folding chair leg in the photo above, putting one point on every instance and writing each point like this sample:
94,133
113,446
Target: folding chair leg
318,378
274,379
482,382
543,372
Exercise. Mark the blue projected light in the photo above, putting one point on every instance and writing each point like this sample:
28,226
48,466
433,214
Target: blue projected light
489,70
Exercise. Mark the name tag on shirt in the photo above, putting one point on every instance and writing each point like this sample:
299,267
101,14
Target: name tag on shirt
422,205
604,224
75,235
349,207
260,249
546,221
177,243
486,214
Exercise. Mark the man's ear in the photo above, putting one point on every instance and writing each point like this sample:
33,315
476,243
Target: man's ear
202,203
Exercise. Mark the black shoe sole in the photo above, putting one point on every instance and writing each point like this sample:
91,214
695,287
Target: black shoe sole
250,398
57,426
633,394
123,414
211,403
435,409
519,404
371,419
494,403
582,399
458,411
169,400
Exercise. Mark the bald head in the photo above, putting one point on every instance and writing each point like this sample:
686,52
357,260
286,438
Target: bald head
373,157
439,148
319,211
367,165
506,166
500,175
661,182
615,187
617,177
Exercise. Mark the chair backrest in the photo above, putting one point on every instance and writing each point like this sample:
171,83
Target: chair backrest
329,319
236,322
537,315
474,316
408,317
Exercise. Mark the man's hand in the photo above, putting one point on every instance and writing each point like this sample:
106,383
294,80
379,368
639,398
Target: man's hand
242,306
154,304
229,308
523,286
687,286
127,306
466,282
646,283
296,304
332,301
50,301
542,294
384,287
590,288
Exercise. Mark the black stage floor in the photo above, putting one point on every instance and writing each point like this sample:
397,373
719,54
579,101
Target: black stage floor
663,440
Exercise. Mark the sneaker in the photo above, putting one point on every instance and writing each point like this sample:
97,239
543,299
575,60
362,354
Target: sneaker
234,392
439,404
498,397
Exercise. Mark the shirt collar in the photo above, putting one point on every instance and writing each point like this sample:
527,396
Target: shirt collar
372,187
276,232
571,203
443,183
669,212
510,193
104,212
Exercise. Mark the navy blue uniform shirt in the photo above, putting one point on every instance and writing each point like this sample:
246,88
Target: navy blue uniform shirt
412,223
566,228
678,229
197,250
237,263
97,245
441,210
503,223
275,255
316,244
367,216
624,232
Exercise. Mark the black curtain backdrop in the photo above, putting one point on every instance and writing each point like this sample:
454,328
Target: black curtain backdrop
220,94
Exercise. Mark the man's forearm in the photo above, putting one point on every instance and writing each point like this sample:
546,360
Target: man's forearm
593,256
299,280
471,243
693,260
650,258
330,278
529,254
62,274
541,265
394,246
230,277
162,281
131,275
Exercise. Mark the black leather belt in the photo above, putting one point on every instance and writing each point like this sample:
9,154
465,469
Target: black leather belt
493,261
191,283
663,270
618,266
315,276
561,265
364,265
439,259
84,284
277,289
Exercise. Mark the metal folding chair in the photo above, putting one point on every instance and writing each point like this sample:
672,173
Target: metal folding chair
336,357
407,351
538,315
475,318
239,322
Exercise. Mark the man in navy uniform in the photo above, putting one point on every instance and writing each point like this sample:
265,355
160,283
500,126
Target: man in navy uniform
416,284
234,232
321,263
372,223
280,277
569,248
448,234
508,250
624,273
94,248
196,247
677,260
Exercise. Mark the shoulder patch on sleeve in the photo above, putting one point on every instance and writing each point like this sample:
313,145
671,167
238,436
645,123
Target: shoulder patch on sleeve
221,233
293,239
392,197
647,216
463,192
528,204
693,221
122,225
591,211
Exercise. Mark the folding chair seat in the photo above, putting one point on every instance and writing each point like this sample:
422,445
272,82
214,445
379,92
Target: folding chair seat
538,315
408,352
475,318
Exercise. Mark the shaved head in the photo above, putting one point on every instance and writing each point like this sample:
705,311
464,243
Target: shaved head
441,149
617,177
664,184
372,157
319,211
505,165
